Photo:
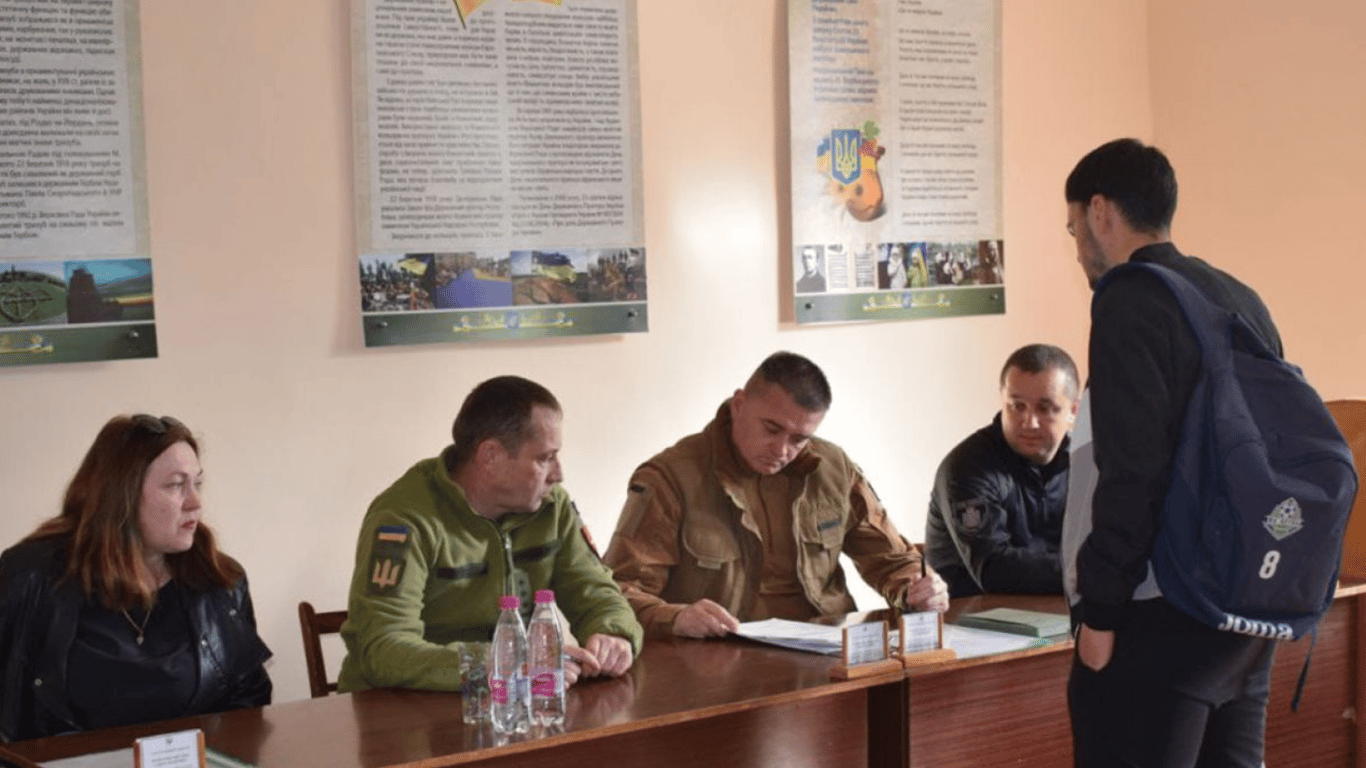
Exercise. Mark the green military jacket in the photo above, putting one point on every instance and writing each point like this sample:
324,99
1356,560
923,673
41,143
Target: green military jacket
429,572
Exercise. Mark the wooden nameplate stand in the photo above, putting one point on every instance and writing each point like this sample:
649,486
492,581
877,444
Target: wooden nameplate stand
866,652
922,640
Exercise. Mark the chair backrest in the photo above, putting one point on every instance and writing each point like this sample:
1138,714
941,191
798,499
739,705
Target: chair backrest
314,625
1351,418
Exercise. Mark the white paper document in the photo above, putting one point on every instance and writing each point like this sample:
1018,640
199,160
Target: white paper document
968,642
820,638
798,635
119,758
123,758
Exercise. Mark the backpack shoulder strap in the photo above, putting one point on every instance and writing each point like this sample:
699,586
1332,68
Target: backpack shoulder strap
1214,327
1202,315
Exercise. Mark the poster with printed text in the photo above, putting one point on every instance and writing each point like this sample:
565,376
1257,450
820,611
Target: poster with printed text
896,159
497,169
75,269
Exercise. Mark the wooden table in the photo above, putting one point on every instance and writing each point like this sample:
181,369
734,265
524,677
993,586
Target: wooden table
735,703
685,702
1011,710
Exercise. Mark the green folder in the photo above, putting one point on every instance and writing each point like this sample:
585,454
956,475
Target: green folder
216,759
1017,621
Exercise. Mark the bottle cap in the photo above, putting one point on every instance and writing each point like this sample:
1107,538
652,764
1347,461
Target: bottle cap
509,602
545,596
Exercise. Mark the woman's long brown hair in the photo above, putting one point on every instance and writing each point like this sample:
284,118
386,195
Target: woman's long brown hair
99,519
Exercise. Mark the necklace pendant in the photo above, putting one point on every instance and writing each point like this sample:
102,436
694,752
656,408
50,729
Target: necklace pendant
138,629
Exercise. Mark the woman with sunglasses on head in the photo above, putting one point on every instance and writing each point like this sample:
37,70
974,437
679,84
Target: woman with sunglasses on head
122,609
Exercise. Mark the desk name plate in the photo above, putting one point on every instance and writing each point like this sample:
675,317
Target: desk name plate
181,749
922,639
866,652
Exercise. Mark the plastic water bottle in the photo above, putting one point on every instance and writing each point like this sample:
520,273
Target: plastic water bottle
547,662
507,670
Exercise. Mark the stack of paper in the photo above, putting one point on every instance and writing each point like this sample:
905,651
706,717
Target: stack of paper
1017,621
798,635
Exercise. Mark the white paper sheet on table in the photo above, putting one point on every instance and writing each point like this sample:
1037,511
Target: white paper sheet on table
968,642
798,635
123,758
119,758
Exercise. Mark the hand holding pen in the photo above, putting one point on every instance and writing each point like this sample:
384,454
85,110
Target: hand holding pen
928,592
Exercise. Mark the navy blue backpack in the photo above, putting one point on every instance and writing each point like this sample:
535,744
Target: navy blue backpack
1250,536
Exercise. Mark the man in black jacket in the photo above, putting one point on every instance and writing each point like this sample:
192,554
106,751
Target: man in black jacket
995,520
1150,686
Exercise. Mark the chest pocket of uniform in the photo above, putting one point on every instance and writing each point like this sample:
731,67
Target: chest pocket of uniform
820,521
821,533
710,543
826,533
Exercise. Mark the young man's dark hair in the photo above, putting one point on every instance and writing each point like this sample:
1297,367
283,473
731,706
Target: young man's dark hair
1138,178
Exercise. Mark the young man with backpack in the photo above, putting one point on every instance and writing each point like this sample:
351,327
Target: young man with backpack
1150,685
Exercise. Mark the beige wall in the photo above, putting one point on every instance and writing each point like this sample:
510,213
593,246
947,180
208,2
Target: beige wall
1260,105
248,133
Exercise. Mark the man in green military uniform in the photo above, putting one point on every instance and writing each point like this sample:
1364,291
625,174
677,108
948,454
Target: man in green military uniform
485,518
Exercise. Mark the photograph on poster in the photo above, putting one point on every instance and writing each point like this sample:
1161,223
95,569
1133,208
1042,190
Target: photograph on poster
917,274
109,291
33,293
392,283
970,263
991,262
891,268
617,274
468,280
810,269
579,276
551,276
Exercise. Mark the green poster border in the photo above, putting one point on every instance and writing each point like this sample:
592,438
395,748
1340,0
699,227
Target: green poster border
21,346
915,304
503,323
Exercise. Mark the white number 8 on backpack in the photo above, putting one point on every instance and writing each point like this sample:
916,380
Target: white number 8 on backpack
1269,564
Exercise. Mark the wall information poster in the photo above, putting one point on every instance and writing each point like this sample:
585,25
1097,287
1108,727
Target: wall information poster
497,169
896,159
75,266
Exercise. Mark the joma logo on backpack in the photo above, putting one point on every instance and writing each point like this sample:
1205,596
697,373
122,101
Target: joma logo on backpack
1256,628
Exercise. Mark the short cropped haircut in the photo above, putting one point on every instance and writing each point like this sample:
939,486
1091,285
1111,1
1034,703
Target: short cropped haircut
501,409
799,377
100,517
1137,178
1040,358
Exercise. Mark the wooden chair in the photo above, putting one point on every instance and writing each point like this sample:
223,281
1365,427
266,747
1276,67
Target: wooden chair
1351,418
314,625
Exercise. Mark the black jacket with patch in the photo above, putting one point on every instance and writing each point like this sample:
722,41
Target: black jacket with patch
995,518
